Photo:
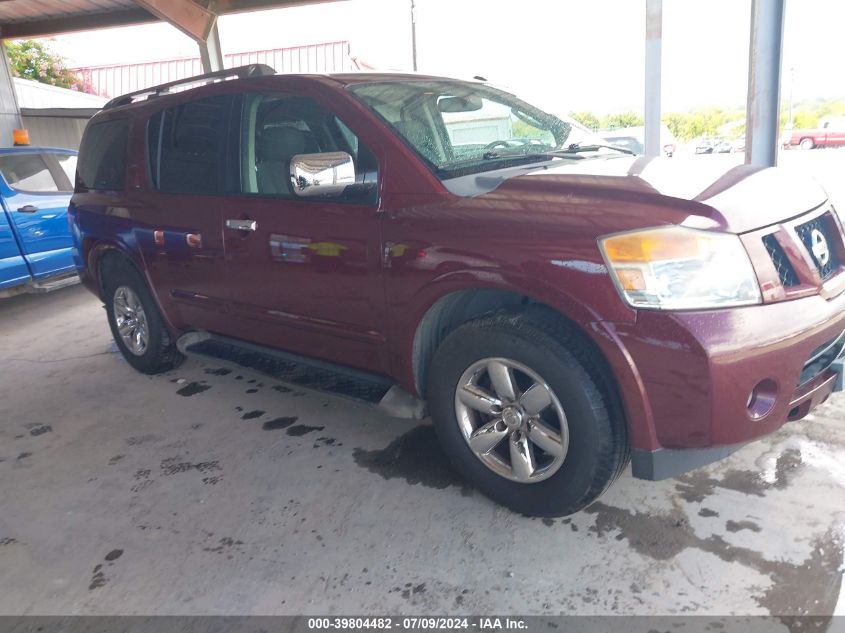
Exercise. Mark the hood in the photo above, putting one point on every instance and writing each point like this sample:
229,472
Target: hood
724,196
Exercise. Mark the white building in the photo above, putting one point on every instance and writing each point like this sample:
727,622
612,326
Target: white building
55,117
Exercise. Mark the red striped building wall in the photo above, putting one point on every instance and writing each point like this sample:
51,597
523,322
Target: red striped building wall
117,79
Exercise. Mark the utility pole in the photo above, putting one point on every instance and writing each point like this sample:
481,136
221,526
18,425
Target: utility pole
413,36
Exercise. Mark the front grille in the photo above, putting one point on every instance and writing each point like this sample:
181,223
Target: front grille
786,272
822,357
817,236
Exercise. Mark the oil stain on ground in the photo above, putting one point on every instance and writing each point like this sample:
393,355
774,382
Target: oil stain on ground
251,415
809,587
302,429
696,486
415,457
172,466
225,543
98,578
279,423
219,371
738,526
114,555
193,388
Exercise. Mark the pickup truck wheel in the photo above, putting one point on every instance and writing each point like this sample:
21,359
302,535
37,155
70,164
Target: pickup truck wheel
524,408
135,321
807,143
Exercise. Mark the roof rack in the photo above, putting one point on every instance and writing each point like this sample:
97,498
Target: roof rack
241,72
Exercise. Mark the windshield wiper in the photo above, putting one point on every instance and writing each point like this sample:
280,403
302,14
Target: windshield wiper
592,147
533,155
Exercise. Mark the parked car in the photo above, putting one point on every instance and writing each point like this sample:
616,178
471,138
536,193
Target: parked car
35,242
706,145
729,147
633,139
830,134
560,309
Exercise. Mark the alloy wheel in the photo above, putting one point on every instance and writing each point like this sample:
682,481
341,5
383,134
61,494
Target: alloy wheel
131,320
511,420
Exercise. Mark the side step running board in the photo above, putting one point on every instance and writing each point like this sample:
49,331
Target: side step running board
306,372
48,285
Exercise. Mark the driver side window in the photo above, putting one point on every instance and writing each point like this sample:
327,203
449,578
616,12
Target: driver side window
275,128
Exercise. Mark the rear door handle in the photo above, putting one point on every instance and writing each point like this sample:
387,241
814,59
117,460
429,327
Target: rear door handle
241,225
27,208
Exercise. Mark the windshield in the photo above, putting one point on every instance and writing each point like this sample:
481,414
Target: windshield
462,127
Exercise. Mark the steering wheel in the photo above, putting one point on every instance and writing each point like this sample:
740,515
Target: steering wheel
496,144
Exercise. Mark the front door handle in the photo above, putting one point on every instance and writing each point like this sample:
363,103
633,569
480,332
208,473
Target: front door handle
241,225
28,208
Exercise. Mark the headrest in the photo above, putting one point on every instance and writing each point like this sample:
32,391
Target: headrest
280,143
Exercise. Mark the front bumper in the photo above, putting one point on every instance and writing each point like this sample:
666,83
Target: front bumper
688,378
664,463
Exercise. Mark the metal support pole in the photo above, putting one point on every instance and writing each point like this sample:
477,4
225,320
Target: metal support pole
791,90
10,113
653,72
413,36
762,117
211,54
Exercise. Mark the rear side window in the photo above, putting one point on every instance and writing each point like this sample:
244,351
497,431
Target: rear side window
36,172
102,156
186,146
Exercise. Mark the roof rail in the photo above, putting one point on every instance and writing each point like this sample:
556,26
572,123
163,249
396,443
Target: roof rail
241,72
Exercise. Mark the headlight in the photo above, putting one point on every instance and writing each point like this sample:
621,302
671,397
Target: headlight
677,268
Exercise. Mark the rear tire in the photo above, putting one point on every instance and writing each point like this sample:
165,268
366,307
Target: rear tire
135,320
596,449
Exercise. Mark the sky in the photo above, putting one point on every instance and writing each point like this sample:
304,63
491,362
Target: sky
579,54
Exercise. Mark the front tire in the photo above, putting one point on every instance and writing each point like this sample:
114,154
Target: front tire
807,143
135,321
525,408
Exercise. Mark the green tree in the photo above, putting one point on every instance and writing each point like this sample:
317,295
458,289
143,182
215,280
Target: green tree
31,59
587,119
623,119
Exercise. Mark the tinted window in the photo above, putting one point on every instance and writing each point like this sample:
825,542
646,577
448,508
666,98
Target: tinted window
102,156
37,173
275,128
186,146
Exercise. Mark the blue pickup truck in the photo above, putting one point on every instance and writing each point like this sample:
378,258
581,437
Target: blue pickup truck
35,242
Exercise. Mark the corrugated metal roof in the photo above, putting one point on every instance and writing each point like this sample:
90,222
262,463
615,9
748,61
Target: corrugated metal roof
33,94
37,18
13,11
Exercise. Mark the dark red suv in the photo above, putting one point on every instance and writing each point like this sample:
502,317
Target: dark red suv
560,305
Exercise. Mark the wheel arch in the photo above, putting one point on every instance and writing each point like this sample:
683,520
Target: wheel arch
104,251
451,307
100,253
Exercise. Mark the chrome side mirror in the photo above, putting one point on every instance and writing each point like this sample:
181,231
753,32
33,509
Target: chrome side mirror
324,174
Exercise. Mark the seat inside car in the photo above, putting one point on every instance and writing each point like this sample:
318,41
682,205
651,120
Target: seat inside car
274,148
282,133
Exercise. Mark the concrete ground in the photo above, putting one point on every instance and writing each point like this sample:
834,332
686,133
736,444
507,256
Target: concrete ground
214,490
211,489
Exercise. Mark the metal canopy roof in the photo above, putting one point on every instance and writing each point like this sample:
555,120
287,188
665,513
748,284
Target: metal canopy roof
26,18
